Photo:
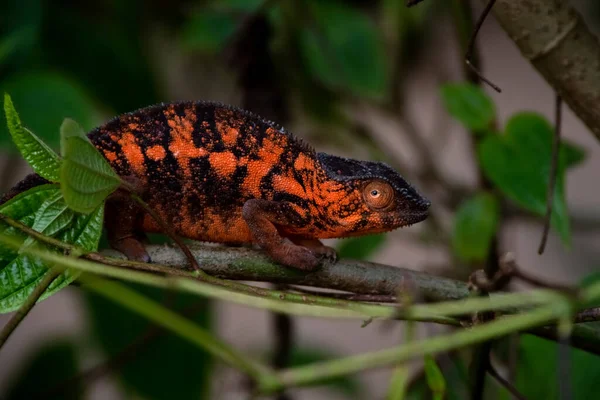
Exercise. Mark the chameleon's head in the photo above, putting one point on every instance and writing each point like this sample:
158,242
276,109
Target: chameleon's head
376,198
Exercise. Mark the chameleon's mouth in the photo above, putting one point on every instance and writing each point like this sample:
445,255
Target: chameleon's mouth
415,216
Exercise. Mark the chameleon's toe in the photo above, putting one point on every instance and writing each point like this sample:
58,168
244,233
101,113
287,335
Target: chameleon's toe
325,253
133,249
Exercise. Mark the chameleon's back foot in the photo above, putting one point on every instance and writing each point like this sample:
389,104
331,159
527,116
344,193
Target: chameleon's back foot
122,218
133,248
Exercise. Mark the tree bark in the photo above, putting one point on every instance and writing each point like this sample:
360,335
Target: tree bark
557,42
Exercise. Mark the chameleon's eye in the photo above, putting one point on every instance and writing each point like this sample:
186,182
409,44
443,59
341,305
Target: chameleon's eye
378,195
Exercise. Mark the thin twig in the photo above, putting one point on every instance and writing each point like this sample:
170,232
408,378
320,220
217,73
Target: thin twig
509,266
31,300
553,172
588,315
507,385
471,47
366,298
167,229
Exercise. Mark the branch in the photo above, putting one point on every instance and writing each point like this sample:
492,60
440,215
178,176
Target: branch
554,38
349,275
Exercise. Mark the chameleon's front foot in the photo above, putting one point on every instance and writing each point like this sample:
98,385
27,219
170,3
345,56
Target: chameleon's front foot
262,217
295,256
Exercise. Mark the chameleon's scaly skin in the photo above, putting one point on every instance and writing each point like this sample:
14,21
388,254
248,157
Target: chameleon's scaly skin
220,174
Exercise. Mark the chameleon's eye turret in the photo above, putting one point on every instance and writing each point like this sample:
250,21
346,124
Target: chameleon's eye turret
378,195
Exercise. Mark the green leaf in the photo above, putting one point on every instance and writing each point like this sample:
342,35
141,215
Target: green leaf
538,362
69,128
86,177
475,224
518,163
571,154
19,274
165,366
42,159
343,49
361,248
53,216
435,378
52,363
454,375
44,99
469,104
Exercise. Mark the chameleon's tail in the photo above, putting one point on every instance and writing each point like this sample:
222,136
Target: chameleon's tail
30,181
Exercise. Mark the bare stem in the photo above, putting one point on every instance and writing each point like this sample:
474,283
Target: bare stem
553,172
22,312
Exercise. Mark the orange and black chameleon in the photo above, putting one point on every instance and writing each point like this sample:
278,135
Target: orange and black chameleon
221,174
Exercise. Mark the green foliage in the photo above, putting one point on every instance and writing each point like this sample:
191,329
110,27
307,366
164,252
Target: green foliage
435,378
343,49
52,217
54,362
86,177
42,159
360,248
163,365
470,105
518,163
538,370
475,224
398,383
451,375
44,99
41,206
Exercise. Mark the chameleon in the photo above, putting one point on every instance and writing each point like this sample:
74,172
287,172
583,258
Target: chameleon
217,173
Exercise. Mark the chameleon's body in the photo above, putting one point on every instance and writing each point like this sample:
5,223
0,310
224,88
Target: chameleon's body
220,174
